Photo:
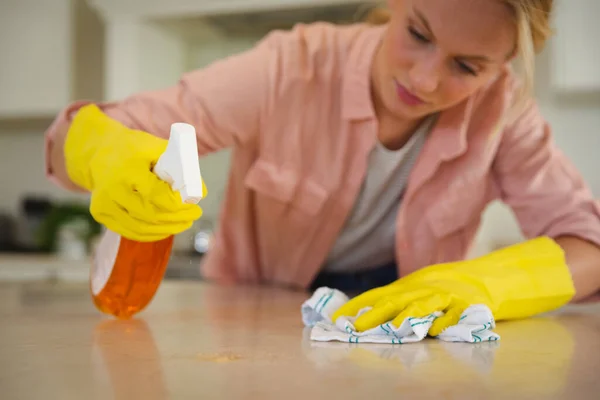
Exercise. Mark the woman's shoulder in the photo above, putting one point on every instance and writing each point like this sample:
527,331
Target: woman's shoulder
319,35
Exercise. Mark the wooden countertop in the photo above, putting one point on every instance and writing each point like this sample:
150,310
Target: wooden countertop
198,341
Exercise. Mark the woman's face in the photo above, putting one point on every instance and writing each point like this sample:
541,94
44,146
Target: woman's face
436,53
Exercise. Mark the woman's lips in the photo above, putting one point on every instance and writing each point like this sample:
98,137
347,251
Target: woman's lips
407,97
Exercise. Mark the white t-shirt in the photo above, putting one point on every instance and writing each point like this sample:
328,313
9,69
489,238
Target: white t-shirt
367,239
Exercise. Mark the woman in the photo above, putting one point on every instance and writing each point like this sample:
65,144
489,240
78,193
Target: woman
360,153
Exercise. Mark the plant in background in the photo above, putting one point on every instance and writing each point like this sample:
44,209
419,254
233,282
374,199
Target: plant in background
74,215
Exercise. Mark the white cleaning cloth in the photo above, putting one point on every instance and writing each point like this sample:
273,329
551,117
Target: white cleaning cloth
475,324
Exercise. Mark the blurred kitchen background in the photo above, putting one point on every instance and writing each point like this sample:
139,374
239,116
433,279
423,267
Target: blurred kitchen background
57,51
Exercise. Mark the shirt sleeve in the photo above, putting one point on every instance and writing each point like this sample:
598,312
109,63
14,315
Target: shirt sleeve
224,101
543,188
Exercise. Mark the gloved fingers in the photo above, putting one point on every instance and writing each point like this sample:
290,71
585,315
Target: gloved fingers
164,198
140,232
167,200
123,230
115,224
132,193
167,209
150,185
172,203
152,191
140,203
366,299
119,220
450,318
388,308
185,216
423,307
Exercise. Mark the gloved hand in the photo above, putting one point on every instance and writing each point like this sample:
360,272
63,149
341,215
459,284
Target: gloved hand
115,164
515,282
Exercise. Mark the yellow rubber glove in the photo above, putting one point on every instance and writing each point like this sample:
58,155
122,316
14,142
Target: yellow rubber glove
115,164
515,282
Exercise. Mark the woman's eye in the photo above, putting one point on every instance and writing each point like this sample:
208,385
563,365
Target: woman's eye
466,68
416,35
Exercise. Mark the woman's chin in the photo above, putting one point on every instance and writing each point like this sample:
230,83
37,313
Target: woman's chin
412,112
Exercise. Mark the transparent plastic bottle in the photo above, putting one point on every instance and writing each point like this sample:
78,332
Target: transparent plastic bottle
125,273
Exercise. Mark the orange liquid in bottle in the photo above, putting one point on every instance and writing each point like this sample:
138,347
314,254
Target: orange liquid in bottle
126,274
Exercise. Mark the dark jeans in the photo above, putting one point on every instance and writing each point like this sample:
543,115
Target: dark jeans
354,283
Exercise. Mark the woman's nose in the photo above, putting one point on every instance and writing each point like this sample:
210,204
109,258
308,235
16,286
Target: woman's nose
425,76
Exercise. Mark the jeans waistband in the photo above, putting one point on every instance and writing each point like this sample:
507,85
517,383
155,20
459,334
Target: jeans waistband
353,283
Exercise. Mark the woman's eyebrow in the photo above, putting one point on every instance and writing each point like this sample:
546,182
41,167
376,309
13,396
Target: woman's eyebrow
423,20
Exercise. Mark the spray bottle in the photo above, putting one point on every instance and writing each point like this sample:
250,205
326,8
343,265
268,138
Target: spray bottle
126,274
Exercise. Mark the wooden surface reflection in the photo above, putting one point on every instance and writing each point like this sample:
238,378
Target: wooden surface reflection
201,341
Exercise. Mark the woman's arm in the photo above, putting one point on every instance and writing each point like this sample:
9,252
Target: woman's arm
583,259
549,197
224,102
55,143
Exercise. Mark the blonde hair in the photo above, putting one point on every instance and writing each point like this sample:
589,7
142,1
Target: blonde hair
532,19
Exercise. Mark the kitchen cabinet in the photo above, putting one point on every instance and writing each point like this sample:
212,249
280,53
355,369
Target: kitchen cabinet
178,8
575,48
39,43
35,41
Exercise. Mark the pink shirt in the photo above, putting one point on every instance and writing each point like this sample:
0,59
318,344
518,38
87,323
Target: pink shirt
297,111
